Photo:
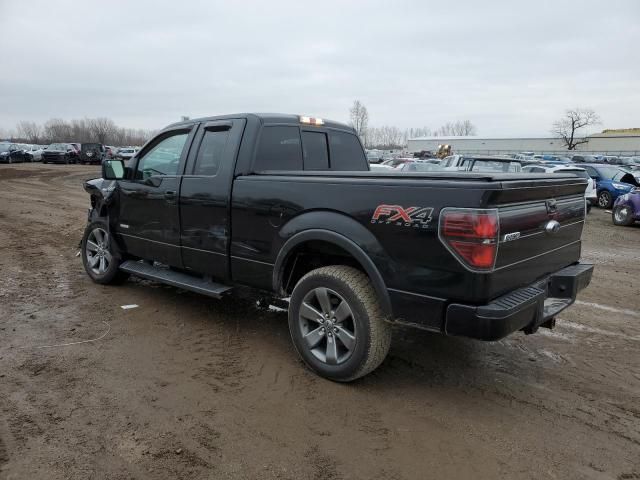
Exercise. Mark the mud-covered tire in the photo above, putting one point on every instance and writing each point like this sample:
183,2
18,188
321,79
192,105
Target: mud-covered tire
112,273
371,331
622,215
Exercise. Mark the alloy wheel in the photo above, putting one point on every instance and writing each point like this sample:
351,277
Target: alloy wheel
327,326
97,251
621,214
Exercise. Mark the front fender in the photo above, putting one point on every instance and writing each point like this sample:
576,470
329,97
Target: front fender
344,232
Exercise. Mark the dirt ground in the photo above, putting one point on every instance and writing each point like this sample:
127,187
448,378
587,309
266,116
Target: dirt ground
189,387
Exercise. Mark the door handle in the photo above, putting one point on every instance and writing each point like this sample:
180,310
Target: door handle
170,195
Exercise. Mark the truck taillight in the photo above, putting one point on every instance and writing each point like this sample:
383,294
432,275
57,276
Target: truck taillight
471,236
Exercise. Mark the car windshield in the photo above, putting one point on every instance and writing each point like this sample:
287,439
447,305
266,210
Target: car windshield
4,147
608,172
577,173
57,146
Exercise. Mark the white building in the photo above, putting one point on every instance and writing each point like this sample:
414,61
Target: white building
612,144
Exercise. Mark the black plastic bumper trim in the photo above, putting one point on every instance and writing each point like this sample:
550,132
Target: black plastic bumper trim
524,308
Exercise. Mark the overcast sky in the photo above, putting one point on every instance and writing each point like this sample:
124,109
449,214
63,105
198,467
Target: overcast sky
511,67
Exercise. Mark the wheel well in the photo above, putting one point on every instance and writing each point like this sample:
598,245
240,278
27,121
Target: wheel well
311,255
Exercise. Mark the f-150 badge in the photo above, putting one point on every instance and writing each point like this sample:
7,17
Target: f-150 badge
416,217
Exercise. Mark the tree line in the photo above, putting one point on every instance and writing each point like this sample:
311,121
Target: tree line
386,136
83,130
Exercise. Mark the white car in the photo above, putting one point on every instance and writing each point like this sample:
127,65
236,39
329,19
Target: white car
590,193
126,153
36,152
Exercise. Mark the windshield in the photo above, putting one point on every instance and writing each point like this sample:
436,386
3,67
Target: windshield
57,146
608,172
4,147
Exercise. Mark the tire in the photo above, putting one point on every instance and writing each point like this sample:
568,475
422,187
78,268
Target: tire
622,215
364,337
604,199
103,248
588,207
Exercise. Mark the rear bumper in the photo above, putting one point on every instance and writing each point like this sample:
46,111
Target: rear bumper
523,309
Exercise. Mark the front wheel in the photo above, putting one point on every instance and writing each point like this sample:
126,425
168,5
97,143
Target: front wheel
622,215
337,323
604,199
100,255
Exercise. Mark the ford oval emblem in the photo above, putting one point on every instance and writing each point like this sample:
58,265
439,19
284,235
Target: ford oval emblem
552,226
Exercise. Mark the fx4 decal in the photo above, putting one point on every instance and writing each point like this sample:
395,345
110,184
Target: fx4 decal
417,217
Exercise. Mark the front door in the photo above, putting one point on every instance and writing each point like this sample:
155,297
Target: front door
149,216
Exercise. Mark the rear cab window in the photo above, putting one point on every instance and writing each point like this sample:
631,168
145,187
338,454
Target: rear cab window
290,148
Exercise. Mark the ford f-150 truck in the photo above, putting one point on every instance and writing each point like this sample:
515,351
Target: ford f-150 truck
287,204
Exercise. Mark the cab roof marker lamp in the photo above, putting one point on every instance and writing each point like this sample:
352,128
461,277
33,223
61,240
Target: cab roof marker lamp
311,120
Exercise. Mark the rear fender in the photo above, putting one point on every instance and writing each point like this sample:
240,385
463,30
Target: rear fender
342,231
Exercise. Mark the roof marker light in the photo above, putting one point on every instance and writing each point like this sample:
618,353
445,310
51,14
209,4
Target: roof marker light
311,120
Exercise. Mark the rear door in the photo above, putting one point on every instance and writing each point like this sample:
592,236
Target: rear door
149,217
205,195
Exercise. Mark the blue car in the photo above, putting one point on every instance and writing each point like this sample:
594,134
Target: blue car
611,182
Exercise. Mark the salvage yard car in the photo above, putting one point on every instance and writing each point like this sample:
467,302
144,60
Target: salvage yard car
60,153
611,182
626,209
92,153
13,153
287,204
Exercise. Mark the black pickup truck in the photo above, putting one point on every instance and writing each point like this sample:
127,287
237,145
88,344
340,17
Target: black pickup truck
287,204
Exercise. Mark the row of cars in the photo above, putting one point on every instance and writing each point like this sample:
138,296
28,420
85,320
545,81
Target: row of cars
86,153
611,185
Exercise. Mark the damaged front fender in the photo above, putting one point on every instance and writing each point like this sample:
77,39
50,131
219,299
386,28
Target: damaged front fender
102,195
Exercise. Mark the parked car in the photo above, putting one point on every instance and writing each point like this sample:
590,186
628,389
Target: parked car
590,194
36,152
60,153
77,147
584,159
126,153
287,204
614,160
378,167
490,164
92,153
626,208
13,153
374,156
611,182
419,167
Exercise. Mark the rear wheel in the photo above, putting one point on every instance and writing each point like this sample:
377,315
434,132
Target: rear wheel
100,255
622,215
604,199
337,323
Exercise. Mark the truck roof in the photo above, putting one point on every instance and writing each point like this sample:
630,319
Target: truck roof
264,118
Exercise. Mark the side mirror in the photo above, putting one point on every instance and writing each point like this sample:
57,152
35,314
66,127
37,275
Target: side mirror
113,169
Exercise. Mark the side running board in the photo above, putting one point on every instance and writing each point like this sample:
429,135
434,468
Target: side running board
176,279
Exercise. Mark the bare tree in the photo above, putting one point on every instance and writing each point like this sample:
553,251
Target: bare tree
30,131
359,118
102,129
457,129
569,125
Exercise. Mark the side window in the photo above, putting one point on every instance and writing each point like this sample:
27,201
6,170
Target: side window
279,149
316,154
210,152
346,152
591,171
163,158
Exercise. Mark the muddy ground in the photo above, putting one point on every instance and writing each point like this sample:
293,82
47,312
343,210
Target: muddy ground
189,387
